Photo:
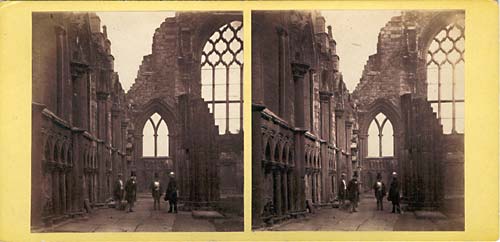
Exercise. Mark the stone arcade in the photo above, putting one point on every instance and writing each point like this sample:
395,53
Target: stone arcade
86,129
307,128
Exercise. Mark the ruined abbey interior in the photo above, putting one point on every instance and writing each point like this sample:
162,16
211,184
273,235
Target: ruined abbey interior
183,114
308,128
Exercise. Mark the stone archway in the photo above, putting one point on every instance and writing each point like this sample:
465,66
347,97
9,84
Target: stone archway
383,165
146,167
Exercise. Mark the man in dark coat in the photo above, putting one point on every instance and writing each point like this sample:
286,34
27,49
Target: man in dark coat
131,192
342,190
394,194
353,192
156,190
118,191
171,193
379,189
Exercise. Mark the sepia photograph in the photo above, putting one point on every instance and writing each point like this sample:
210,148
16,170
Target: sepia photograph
358,120
137,121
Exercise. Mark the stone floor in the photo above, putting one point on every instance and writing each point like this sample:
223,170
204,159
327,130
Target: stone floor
368,219
145,219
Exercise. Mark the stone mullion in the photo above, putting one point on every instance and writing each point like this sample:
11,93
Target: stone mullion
213,89
227,100
241,97
453,108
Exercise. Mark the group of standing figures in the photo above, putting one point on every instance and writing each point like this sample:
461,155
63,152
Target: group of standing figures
350,191
128,192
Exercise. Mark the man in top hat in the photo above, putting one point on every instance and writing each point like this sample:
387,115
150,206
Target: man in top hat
379,189
118,191
156,191
353,192
394,194
131,191
342,190
171,193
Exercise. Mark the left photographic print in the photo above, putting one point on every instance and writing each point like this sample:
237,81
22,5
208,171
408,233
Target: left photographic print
137,122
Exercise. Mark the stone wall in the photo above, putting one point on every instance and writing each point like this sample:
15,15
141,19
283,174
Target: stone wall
171,73
302,116
399,68
78,117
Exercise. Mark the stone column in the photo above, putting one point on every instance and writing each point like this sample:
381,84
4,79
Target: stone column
347,143
338,143
278,191
325,98
284,182
299,70
37,167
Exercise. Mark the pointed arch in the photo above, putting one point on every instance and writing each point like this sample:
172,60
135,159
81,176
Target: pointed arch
267,151
445,64
222,76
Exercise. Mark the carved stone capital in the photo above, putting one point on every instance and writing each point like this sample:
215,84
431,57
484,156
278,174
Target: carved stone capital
299,70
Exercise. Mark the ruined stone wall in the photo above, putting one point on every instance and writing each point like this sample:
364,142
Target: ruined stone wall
78,115
297,90
170,72
398,68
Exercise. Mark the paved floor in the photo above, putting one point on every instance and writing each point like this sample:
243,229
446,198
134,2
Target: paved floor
143,219
367,219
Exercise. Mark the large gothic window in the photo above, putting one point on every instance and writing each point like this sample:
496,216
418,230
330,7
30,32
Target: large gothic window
380,137
155,137
222,77
445,77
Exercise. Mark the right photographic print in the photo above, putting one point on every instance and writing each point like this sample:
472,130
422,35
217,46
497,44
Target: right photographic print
358,120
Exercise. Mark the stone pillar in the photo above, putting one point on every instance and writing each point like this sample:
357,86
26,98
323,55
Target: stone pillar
347,144
338,143
277,191
55,191
299,70
37,167
325,98
284,191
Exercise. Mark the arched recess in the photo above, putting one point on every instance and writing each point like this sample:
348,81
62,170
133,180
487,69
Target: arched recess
167,114
443,51
432,28
393,115
380,137
221,76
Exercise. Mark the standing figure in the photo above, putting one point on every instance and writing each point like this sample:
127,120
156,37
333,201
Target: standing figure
156,191
118,191
379,189
353,192
171,194
394,194
131,192
342,190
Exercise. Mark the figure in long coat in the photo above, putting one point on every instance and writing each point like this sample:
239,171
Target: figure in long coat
131,192
353,192
118,191
156,190
379,190
394,194
171,194
342,190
